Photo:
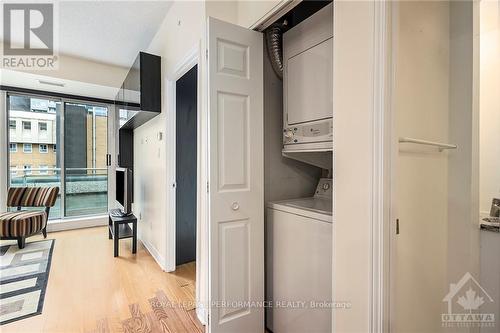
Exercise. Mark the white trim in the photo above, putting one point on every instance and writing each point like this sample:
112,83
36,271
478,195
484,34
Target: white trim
154,253
280,9
181,68
381,187
201,313
77,223
392,244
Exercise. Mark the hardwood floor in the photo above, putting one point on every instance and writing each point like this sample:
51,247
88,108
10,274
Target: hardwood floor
91,291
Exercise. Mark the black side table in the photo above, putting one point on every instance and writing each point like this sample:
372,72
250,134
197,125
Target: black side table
119,228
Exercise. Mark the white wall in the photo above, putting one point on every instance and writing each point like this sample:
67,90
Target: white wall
489,104
180,31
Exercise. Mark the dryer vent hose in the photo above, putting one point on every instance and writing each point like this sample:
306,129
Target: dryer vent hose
274,40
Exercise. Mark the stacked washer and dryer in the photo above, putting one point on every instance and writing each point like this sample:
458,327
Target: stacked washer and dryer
299,231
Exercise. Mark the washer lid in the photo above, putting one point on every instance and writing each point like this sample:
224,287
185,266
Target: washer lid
317,208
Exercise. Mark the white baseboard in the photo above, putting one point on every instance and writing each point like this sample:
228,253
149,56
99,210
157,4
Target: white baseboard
201,314
154,253
77,223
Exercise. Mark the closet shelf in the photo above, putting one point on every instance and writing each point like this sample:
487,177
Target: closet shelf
439,145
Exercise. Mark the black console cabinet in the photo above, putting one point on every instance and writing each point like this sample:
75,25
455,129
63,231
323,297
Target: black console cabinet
140,97
140,93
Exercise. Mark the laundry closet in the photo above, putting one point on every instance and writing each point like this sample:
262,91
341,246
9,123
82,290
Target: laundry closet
269,184
298,149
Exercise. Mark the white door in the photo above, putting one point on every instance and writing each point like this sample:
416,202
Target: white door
236,178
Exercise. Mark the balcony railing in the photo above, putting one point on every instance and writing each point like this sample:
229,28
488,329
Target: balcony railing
85,189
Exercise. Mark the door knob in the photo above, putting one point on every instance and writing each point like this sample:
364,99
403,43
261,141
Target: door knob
235,206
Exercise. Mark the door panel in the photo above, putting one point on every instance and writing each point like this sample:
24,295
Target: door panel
185,169
236,198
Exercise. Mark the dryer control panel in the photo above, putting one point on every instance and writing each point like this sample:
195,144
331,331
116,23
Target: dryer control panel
324,188
320,131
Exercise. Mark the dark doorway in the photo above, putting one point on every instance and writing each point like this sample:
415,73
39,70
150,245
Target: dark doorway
186,166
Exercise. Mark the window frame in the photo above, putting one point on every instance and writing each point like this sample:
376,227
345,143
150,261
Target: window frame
10,147
45,151
12,128
26,145
24,122
40,123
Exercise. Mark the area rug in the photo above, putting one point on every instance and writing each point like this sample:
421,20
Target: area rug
23,279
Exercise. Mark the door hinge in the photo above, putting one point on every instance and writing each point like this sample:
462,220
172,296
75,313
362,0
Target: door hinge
208,188
397,226
206,53
108,159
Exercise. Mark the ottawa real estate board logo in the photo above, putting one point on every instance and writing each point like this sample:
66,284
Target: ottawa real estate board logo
467,302
29,39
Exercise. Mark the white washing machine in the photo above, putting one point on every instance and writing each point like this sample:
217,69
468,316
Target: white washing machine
299,262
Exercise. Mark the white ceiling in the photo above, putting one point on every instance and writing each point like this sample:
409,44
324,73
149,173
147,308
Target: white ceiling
109,31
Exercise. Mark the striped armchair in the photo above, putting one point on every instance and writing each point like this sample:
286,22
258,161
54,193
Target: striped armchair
21,223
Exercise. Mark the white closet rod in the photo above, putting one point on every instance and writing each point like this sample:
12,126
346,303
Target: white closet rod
440,145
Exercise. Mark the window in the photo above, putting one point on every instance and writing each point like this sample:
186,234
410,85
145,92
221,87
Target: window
27,169
44,169
47,128
27,148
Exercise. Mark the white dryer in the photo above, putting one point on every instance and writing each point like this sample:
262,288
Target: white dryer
299,262
308,84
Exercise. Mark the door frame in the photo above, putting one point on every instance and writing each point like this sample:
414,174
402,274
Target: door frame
384,145
187,63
